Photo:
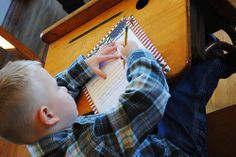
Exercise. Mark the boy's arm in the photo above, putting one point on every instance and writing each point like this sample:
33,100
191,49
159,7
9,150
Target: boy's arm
75,76
140,108
82,70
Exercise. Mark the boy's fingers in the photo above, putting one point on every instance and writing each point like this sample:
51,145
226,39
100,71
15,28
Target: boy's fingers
120,49
109,49
107,46
111,44
108,57
100,73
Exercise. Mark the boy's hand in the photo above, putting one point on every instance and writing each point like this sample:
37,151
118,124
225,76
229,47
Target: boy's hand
104,54
124,51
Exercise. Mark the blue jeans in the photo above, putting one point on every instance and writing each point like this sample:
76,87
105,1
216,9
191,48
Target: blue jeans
184,121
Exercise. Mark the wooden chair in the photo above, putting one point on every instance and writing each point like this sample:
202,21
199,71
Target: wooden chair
16,49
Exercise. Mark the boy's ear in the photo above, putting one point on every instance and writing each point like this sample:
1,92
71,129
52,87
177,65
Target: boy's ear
47,117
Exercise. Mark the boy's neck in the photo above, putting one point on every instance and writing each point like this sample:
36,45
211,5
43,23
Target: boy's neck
44,132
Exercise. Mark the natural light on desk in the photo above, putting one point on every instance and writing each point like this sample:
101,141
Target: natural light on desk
5,44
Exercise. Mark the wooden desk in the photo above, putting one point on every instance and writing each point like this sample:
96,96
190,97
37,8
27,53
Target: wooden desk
165,22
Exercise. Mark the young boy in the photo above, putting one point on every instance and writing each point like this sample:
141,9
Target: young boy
39,110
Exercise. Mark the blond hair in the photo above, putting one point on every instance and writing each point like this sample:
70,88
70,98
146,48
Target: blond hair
15,107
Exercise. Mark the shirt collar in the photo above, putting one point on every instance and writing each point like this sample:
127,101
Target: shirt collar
61,139
50,143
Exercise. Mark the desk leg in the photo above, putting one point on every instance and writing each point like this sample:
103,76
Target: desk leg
197,26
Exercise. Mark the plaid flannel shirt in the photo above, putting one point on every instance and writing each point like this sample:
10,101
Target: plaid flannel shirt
124,131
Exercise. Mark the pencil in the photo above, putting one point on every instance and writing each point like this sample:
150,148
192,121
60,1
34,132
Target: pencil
126,38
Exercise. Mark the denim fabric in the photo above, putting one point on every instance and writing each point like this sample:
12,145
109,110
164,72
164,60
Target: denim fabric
184,121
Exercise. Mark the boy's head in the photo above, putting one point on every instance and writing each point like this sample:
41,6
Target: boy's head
32,105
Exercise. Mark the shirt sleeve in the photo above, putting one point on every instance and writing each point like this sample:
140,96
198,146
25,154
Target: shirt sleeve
75,76
140,107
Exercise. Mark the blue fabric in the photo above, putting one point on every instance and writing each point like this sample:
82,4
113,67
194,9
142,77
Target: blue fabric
184,121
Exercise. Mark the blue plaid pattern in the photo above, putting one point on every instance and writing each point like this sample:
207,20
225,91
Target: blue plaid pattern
124,131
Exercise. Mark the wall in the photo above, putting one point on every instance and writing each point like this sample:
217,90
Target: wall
4,5
26,19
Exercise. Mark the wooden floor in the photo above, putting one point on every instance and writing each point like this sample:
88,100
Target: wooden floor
12,150
223,96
